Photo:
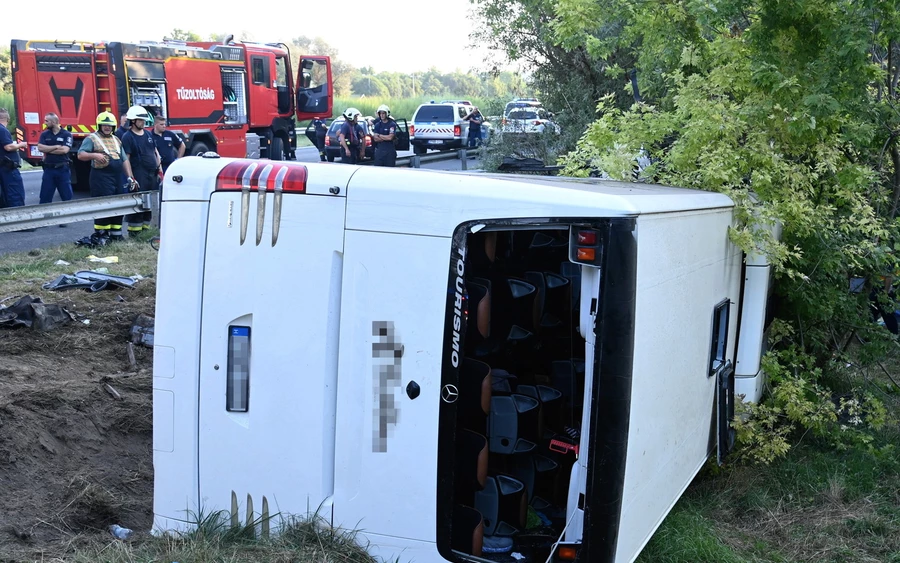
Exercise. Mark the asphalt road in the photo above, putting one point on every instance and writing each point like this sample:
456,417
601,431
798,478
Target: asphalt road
53,236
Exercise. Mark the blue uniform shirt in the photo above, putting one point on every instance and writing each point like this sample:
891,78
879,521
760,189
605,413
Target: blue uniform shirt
167,145
140,150
6,139
63,138
383,128
475,124
351,134
320,127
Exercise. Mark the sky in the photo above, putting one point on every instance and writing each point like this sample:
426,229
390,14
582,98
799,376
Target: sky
388,35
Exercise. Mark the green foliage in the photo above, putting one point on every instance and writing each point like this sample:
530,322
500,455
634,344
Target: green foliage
184,35
790,109
814,504
6,101
5,70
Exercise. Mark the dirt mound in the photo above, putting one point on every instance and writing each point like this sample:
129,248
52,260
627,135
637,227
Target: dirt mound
74,457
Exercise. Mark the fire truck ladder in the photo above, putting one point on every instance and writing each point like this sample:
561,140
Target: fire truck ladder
101,72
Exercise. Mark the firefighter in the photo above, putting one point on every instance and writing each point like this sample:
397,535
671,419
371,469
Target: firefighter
123,126
321,129
108,160
350,138
145,162
168,143
384,133
12,190
55,142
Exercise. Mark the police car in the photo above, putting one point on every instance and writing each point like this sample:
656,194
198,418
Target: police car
439,126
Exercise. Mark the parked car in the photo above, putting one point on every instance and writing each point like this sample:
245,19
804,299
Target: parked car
333,149
439,126
529,120
521,103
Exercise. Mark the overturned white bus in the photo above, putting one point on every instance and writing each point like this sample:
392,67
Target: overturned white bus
465,367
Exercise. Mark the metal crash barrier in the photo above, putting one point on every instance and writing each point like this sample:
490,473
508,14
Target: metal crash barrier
46,214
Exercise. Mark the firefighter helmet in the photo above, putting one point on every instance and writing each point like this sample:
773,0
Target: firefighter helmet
351,114
106,118
383,108
137,112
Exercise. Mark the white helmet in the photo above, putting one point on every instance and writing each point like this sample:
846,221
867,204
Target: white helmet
351,113
383,108
137,112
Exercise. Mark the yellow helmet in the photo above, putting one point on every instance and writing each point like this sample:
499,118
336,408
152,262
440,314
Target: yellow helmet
106,118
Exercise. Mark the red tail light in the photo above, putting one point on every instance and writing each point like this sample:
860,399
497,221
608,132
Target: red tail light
327,141
537,122
368,141
412,130
240,173
585,246
457,130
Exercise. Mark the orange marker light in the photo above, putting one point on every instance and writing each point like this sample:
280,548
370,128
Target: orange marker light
586,254
567,553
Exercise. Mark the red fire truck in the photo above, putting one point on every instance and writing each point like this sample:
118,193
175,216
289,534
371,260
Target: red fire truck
238,99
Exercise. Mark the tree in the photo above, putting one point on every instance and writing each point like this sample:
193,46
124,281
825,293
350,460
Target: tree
368,85
796,101
5,70
184,35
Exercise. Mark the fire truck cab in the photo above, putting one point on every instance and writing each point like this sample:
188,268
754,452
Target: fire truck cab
465,367
237,99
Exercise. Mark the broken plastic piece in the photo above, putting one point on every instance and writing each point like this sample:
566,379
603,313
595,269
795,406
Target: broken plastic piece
561,447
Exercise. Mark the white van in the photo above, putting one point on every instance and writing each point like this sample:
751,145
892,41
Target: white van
439,126
462,366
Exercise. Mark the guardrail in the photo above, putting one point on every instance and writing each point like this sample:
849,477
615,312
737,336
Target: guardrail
416,160
46,214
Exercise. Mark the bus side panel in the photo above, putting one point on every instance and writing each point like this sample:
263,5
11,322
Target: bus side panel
389,384
686,266
176,358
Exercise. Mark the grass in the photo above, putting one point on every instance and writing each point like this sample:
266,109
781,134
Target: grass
25,270
818,505
307,539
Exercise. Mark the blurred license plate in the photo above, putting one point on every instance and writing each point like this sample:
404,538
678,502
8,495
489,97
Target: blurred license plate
35,151
433,142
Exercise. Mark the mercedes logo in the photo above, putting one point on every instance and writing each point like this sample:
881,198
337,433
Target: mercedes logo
449,393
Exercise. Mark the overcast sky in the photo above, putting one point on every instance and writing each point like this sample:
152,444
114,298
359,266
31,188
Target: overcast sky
389,35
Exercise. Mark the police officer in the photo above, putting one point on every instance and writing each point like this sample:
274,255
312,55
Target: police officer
168,143
12,190
350,138
321,129
475,120
145,163
108,161
55,142
384,133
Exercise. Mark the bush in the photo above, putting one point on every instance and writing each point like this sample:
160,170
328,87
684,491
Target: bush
6,101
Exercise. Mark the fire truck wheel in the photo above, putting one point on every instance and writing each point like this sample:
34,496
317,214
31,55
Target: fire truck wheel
276,149
199,148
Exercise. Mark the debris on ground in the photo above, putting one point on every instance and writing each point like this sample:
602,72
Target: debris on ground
142,330
90,280
32,312
105,259
62,263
